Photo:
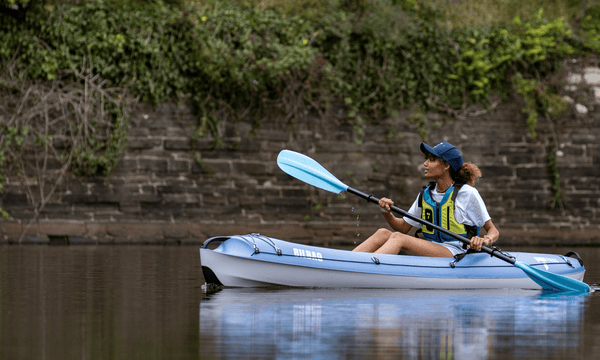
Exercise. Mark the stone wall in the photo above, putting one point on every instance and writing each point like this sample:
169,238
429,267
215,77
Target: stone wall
169,189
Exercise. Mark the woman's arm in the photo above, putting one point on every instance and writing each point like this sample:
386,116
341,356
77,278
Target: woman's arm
397,224
492,234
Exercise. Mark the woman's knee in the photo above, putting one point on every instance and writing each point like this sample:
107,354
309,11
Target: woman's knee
384,232
399,238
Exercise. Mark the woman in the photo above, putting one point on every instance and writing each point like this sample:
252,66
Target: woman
450,201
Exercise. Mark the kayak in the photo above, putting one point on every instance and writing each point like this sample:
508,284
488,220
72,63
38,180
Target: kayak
255,260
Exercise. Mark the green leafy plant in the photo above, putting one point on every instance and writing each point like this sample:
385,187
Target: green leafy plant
420,121
371,58
528,88
590,26
558,194
11,149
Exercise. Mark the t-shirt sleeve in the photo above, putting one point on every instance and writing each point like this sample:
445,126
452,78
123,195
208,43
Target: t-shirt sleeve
414,210
471,209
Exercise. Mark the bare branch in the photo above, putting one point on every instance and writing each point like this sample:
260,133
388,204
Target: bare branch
73,109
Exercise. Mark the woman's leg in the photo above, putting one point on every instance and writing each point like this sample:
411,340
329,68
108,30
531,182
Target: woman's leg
375,241
398,241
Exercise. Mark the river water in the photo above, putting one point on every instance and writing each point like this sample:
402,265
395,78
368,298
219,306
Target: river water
147,302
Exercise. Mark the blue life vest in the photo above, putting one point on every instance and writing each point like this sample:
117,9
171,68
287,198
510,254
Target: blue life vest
442,214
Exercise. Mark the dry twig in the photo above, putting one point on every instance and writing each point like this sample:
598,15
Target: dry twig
56,121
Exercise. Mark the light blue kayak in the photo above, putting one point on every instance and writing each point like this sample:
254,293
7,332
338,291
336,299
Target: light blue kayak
255,260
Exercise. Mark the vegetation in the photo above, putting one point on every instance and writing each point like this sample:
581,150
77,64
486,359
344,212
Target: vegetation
251,59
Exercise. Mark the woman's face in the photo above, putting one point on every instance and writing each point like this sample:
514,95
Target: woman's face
434,167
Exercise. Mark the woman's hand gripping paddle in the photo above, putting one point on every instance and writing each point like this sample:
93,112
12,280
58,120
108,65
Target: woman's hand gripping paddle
311,172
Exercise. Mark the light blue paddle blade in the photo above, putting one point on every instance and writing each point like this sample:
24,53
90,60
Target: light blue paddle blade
308,170
555,282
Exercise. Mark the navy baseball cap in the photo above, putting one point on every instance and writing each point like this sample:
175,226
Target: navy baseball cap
445,151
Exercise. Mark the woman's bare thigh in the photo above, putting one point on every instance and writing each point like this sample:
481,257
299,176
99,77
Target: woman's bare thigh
416,246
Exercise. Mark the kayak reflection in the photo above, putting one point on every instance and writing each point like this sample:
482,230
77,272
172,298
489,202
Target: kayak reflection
349,323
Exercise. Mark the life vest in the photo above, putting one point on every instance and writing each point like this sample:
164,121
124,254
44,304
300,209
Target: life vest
442,214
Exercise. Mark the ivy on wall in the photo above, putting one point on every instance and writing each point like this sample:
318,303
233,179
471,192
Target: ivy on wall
369,58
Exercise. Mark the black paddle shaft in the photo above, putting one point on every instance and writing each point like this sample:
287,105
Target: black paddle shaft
374,200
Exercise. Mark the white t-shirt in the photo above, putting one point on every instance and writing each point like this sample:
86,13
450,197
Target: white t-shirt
470,208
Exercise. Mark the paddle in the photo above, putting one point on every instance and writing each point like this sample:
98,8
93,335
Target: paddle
311,172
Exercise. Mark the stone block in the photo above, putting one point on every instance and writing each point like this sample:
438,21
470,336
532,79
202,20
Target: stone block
109,197
287,205
56,228
181,198
533,172
37,239
79,189
179,166
250,168
379,147
214,200
271,192
592,75
178,144
189,229
134,199
128,188
170,189
147,207
14,199
337,147
125,167
275,135
248,146
203,144
144,189
579,171
250,202
138,132
129,209
178,132
157,166
496,171
582,184
82,240
520,159
596,94
80,198
530,202
211,167
295,193
131,231
10,230
574,79
96,208
55,216
406,170
57,209
144,143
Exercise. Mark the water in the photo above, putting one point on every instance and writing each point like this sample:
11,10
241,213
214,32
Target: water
147,302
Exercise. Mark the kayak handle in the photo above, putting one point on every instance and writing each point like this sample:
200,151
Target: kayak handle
213,239
571,253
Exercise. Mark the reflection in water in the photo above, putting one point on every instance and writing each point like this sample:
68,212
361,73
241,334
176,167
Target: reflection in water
342,323
141,302
86,302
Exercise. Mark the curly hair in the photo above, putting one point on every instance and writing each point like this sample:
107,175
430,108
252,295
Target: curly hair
467,174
